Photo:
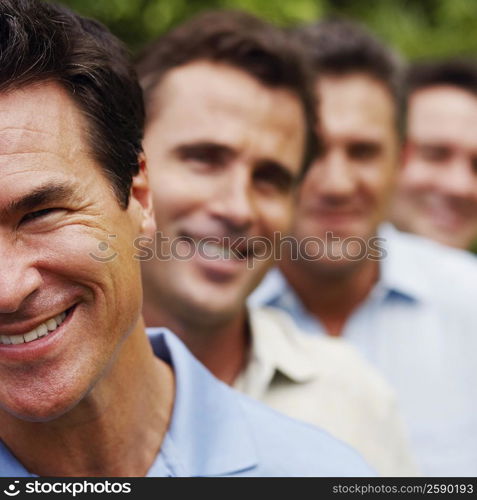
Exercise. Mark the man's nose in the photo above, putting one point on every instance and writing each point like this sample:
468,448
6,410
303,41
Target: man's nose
18,280
233,201
460,179
337,177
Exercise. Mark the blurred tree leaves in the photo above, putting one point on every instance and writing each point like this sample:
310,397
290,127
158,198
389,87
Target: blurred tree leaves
417,28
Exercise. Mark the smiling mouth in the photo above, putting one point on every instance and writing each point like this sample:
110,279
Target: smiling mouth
222,249
42,330
225,252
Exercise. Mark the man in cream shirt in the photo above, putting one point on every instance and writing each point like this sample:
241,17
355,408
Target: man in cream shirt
327,383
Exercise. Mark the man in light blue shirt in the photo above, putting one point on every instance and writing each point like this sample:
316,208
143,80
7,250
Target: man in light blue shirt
406,303
83,392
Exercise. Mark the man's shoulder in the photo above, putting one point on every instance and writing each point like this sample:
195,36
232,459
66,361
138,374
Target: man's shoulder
324,363
325,356
240,436
287,447
433,250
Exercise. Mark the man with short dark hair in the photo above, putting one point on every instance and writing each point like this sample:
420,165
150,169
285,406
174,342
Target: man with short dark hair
84,391
228,115
405,302
437,189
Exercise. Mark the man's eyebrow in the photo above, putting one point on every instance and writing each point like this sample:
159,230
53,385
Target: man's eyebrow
204,148
41,195
285,174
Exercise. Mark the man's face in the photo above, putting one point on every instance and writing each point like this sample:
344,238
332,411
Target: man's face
437,195
224,152
63,312
345,192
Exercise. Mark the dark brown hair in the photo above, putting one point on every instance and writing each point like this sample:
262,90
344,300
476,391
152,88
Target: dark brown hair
46,42
460,73
342,47
241,40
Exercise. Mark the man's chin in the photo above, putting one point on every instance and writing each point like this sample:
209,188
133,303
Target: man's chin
336,258
456,239
45,396
212,308
41,410
335,267
336,250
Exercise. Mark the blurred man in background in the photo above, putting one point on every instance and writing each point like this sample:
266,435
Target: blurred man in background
229,134
405,302
437,190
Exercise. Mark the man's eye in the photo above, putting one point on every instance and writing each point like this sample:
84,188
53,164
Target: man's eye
37,214
213,156
274,177
436,154
363,150
200,156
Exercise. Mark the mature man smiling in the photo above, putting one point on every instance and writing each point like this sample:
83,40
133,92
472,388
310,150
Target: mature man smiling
84,390
437,189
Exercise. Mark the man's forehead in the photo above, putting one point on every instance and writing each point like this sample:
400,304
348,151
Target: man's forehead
442,100
445,96
37,117
40,140
355,101
213,87
443,113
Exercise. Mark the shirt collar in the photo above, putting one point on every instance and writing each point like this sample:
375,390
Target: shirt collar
400,274
278,346
208,428
10,466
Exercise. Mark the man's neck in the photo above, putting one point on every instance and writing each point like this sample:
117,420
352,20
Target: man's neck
222,346
116,430
331,296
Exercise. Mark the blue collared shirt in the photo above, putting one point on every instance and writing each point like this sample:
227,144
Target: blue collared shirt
216,431
419,327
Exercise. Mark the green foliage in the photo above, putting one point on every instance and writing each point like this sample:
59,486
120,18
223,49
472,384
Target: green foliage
417,28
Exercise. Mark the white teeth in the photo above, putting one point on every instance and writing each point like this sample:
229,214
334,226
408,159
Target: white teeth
214,250
40,331
51,324
33,335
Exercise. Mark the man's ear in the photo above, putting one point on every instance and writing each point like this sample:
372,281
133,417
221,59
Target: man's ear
141,196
